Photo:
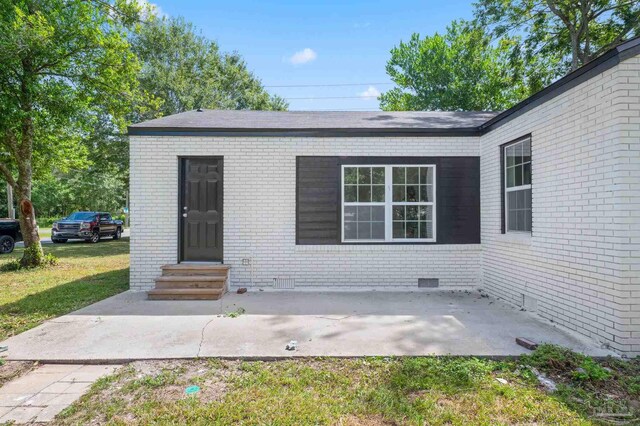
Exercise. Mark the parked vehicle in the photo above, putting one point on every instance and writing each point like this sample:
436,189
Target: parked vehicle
88,226
9,235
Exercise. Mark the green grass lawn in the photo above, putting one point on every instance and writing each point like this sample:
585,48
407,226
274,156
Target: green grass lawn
86,274
373,391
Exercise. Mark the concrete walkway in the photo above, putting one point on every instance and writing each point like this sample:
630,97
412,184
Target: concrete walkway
42,393
127,327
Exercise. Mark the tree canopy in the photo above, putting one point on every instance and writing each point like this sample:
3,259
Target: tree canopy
182,70
459,70
573,32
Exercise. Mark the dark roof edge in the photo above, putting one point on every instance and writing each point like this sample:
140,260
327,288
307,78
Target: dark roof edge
602,63
334,132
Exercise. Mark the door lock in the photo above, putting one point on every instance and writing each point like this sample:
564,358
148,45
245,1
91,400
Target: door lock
184,215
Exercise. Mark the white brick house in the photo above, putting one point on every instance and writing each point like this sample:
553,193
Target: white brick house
539,205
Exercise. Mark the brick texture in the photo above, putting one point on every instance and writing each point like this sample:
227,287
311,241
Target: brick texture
580,267
260,209
582,261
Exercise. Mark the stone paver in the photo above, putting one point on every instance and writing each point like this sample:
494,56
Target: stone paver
41,394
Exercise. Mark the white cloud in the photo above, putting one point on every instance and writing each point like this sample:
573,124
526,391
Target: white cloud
149,9
370,93
304,56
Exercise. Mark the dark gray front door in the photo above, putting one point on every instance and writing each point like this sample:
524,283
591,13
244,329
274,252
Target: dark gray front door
201,209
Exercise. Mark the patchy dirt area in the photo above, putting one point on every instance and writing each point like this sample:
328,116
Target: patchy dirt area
10,370
365,391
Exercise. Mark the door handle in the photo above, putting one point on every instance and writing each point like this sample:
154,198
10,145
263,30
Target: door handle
184,215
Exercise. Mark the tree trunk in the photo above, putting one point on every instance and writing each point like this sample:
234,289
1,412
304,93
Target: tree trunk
33,255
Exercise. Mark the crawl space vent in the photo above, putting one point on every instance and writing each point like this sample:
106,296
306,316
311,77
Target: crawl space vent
428,282
284,283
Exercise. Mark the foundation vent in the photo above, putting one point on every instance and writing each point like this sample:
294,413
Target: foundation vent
428,282
284,283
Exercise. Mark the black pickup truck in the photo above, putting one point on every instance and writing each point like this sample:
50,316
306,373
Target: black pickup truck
88,226
9,235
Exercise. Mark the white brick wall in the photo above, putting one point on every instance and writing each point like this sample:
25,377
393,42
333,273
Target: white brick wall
582,261
260,210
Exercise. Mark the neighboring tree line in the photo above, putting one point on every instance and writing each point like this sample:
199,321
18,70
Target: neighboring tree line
510,50
74,74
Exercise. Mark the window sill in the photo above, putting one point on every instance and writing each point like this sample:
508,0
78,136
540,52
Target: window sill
523,238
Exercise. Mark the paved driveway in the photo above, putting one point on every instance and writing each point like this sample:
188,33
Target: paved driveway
128,326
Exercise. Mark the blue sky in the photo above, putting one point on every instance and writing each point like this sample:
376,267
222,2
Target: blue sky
318,42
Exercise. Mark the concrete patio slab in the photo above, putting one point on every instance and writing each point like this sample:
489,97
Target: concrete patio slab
128,327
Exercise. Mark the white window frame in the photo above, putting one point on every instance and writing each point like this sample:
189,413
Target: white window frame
388,204
515,188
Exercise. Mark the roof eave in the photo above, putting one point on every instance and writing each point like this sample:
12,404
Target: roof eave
325,132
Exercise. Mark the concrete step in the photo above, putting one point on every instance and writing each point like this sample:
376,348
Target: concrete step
191,281
195,269
186,293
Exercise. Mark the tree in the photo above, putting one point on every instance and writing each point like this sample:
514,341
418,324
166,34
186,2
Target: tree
574,31
460,70
60,58
182,70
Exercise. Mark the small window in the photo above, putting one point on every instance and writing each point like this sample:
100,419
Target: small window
388,203
517,186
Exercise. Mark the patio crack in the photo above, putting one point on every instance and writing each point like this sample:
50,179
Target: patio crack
202,336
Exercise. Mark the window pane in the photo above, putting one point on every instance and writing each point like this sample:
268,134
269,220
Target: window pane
426,229
520,220
519,200
527,220
518,180
518,147
423,175
426,175
412,175
398,175
527,198
511,200
511,155
377,213
412,230
364,194
412,213
412,193
426,213
350,213
398,212
377,194
350,193
377,175
377,230
364,175
364,213
398,193
511,177
350,175
426,193
512,225
526,178
430,230
364,230
398,229
350,231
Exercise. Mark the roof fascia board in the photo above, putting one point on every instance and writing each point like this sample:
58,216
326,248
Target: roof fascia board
320,133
